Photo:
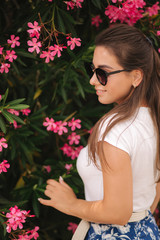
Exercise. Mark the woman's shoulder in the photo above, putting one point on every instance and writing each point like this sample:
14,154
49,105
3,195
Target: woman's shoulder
139,123
142,115
130,132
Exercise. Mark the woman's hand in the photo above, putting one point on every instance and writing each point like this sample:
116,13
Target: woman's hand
61,196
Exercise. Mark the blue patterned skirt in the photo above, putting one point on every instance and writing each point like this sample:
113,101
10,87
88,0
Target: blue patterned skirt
146,229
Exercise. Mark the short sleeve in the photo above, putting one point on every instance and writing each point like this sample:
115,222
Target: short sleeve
119,136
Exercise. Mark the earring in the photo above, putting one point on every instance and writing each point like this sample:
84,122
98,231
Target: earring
134,86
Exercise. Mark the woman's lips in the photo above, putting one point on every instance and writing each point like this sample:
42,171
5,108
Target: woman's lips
100,92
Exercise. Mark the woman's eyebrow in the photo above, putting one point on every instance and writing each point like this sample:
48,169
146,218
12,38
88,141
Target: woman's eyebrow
103,66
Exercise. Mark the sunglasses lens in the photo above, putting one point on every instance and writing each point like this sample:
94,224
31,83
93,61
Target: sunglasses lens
101,75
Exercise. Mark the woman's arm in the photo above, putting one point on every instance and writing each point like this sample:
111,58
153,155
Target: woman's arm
116,206
157,198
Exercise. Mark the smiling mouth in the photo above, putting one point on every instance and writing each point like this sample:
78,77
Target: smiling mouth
98,92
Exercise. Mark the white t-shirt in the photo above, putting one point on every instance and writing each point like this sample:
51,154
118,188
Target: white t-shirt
138,139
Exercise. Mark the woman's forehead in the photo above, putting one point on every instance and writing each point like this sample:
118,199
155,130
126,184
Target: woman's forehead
104,57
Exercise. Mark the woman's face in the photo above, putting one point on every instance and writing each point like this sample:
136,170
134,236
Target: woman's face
118,85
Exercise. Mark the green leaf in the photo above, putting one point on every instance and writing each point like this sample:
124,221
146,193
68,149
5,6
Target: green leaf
61,24
97,3
26,151
64,95
45,133
38,113
80,88
18,106
9,204
25,54
66,74
35,204
8,116
21,62
5,97
17,119
2,125
15,68
54,93
17,101
69,22
4,226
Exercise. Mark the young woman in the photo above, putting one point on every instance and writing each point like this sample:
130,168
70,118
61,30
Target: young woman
119,167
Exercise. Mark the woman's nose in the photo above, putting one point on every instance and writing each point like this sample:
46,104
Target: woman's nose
93,80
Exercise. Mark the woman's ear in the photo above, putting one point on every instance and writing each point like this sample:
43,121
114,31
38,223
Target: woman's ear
137,77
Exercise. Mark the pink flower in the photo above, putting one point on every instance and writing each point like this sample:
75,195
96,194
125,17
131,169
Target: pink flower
78,3
74,3
34,233
49,0
48,55
61,128
68,167
66,149
73,138
154,9
3,144
15,218
25,111
12,111
23,237
158,33
35,29
72,227
75,152
159,50
129,12
15,124
73,42
70,4
0,97
50,124
70,151
4,165
56,49
74,124
48,168
10,55
96,20
1,50
34,45
13,41
5,67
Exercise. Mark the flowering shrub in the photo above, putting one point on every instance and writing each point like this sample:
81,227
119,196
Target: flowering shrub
59,127
45,47
9,55
16,219
36,45
130,11
74,3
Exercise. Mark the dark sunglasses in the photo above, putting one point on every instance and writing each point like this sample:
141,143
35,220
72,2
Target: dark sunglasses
102,75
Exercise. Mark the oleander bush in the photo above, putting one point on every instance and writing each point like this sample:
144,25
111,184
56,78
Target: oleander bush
47,107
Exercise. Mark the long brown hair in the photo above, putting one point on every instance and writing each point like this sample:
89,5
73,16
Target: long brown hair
133,50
